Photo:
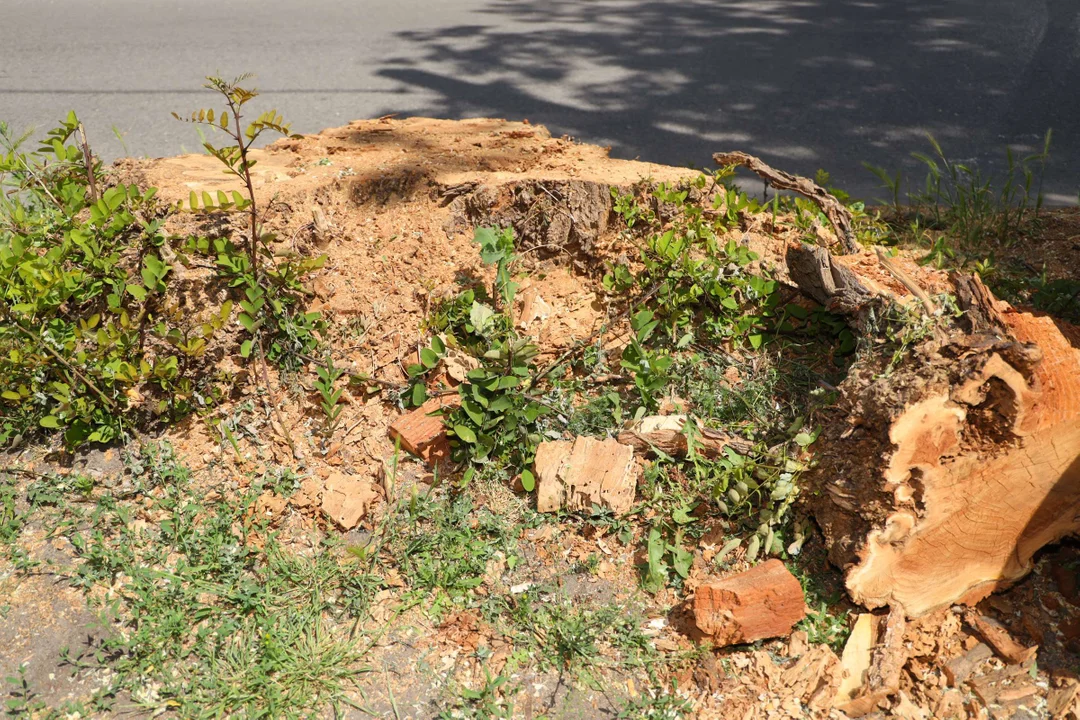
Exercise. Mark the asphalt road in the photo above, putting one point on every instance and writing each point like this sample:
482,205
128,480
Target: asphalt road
803,83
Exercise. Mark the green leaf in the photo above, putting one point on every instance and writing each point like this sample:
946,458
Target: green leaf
465,433
11,395
429,358
437,345
480,315
137,291
49,421
804,439
528,480
245,349
419,395
681,560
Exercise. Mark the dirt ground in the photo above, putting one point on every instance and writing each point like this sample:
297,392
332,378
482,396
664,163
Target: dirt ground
393,204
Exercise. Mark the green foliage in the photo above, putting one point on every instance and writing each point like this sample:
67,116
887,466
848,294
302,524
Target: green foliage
666,554
649,367
216,622
82,279
497,420
446,545
430,357
697,286
485,703
656,706
497,248
329,395
959,201
570,634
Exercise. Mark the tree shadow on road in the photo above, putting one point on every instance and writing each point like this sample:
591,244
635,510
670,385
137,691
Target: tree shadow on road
803,83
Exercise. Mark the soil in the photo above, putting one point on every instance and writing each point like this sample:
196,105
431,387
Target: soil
393,203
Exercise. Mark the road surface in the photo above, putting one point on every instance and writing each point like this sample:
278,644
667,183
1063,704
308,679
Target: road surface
803,83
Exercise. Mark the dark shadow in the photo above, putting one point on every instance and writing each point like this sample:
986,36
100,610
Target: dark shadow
802,83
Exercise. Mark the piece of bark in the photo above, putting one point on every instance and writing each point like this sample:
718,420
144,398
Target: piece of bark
763,602
667,433
588,473
826,280
320,228
887,662
990,686
1063,700
550,491
856,657
836,211
959,669
798,644
423,434
999,639
950,706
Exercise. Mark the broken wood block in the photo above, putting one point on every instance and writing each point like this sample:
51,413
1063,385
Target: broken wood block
423,434
576,475
763,602
347,499
667,433
855,659
999,639
813,678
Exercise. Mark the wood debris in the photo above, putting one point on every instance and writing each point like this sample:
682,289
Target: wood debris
999,639
422,432
763,602
347,499
958,670
668,434
855,659
577,475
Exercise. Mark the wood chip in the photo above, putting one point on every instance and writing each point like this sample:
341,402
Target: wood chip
577,475
1064,699
423,434
667,433
763,602
347,499
855,660
958,670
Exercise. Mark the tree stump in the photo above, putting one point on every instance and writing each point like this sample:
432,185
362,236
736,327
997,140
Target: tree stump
939,478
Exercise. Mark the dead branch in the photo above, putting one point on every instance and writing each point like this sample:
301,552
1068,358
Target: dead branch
838,214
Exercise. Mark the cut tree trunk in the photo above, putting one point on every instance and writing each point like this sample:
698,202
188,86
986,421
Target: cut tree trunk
940,477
